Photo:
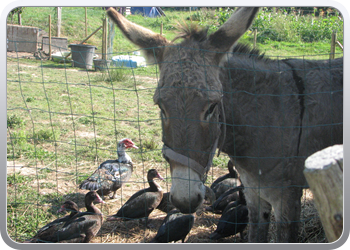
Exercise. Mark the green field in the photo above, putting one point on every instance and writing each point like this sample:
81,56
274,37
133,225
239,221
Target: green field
62,120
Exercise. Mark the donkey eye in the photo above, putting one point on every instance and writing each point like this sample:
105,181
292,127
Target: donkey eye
210,112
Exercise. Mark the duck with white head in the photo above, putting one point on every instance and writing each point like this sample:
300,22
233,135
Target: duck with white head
112,174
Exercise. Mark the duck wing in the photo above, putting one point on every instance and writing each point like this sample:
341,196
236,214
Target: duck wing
229,195
109,176
81,228
233,221
139,205
165,204
44,234
224,185
174,227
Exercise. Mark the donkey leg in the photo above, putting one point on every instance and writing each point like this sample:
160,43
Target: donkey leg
287,212
259,212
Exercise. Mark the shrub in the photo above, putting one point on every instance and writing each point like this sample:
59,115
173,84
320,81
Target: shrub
45,135
14,121
112,75
294,27
18,137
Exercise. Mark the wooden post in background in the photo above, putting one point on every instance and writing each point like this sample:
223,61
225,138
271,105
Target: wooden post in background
50,51
161,28
324,174
59,18
104,39
111,34
333,43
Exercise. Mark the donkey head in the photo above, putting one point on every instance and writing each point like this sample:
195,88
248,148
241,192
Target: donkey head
189,95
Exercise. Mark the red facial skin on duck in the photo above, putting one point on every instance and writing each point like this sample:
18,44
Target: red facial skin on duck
98,199
129,144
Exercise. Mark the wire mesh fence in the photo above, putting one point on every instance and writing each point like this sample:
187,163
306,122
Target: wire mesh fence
63,121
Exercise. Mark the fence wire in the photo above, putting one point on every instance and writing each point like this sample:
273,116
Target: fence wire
62,122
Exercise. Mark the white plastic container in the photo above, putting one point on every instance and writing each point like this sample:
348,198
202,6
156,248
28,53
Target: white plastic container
129,61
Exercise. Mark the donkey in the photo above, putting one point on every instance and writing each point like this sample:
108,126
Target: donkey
268,115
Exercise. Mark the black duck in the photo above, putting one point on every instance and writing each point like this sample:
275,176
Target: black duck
223,183
143,202
82,227
44,234
174,227
234,219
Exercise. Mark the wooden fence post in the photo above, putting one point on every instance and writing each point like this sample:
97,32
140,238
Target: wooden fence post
324,174
50,49
59,18
111,34
161,28
104,39
333,43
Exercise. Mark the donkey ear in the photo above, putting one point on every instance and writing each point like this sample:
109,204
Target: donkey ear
140,36
229,33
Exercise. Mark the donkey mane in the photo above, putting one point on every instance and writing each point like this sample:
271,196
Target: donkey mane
246,50
193,32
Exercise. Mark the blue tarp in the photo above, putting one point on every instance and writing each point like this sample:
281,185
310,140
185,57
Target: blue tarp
147,11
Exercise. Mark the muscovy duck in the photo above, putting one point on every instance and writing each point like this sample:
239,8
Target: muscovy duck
43,235
174,227
143,202
223,183
233,220
111,174
82,227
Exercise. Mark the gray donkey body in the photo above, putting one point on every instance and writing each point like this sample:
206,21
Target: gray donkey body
267,115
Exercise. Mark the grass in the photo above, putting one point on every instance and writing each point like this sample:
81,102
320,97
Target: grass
63,121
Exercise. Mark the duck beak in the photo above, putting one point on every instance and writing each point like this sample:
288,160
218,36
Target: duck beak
160,177
131,145
99,200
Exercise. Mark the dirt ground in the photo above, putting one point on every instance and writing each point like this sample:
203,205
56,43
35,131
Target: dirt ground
136,232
